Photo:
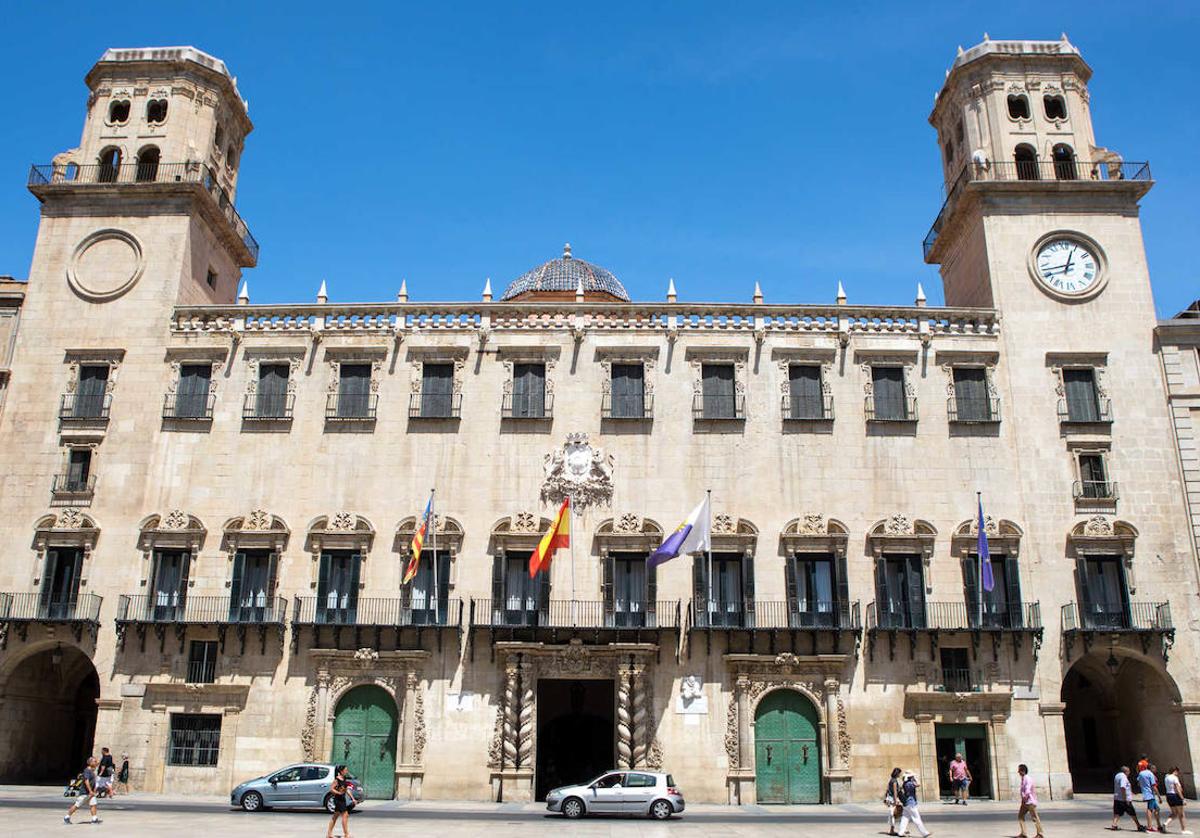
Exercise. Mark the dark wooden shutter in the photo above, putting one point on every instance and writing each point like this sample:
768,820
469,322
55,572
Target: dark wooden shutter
498,562
790,570
89,394
272,581
807,400
355,574
437,389
192,393
916,591
543,600
1012,582
843,590
748,588
883,606
970,394
651,594
1080,387
354,388
235,586
272,389
970,571
628,391
718,391
700,589
529,391
607,589
888,384
1084,583
323,571
48,574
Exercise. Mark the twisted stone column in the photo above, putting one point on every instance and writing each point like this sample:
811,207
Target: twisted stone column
510,716
525,719
641,719
624,720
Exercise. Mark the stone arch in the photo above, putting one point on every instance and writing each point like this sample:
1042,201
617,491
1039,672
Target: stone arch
340,687
258,529
363,743
790,780
802,689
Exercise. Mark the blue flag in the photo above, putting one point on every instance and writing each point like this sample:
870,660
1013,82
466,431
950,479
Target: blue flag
985,559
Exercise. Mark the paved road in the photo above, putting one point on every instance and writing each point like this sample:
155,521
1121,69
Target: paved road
35,812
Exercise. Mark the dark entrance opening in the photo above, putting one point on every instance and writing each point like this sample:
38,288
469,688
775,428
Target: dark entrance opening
576,732
971,742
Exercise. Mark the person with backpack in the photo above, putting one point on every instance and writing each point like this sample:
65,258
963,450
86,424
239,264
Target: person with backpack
87,792
911,813
891,799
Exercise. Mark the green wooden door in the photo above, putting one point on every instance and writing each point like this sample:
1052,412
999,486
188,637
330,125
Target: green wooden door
364,738
787,756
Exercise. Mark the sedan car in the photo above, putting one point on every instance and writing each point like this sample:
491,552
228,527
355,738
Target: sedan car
301,786
620,792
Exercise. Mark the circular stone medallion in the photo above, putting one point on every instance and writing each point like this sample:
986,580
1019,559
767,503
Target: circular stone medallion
105,265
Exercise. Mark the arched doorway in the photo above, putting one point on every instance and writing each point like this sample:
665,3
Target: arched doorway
364,738
787,753
1118,707
48,715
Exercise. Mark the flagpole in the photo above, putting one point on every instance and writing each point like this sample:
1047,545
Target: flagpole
979,581
571,537
433,543
708,492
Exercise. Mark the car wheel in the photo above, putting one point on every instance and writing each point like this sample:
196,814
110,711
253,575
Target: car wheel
660,810
573,808
329,805
252,801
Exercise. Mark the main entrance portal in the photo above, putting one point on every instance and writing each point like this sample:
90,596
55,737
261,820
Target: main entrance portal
364,738
787,755
971,742
576,732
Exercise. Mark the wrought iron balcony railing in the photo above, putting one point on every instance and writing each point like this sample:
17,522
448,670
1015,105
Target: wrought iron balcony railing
891,411
515,406
1118,617
759,614
189,408
202,671
628,407
954,616
797,409
973,411
351,407
575,614
425,405
397,612
48,608
260,407
71,484
141,174
1032,171
956,680
1088,490
1096,413
718,408
210,610
84,409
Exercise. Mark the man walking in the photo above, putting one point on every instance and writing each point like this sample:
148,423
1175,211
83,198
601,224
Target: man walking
910,813
1029,802
1148,785
1123,800
960,779
87,792
104,774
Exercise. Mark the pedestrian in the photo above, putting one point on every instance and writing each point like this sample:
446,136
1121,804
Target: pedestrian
1148,785
892,798
343,798
1123,800
960,779
123,774
911,814
1175,800
87,792
1029,801
105,774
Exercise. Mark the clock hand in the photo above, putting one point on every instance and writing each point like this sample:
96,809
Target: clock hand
1070,256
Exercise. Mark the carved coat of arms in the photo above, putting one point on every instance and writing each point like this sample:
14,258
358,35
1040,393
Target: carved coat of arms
580,470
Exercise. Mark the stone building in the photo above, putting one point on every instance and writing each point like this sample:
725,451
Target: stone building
209,504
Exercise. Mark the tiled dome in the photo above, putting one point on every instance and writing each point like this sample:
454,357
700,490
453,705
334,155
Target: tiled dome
564,275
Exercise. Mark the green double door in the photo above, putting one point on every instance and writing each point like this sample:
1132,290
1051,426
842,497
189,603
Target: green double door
364,738
787,755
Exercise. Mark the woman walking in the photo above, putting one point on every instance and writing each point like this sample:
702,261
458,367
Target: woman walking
1029,802
911,814
1175,801
342,797
892,799
123,773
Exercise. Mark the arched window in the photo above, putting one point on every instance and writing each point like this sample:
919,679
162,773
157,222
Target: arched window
110,165
1018,106
231,157
1026,159
218,137
1064,162
147,164
1056,107
118,111
156,111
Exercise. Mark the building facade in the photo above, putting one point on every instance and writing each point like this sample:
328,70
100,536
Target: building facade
210,504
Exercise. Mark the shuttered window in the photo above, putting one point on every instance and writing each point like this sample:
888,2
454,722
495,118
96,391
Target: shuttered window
529,391
804,388
437,390
1093,476
90,390
970,395
628,391
888,386
272,390
1083,402
354,391
191,397
79,467
718,391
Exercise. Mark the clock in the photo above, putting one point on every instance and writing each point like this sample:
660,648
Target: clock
1068,266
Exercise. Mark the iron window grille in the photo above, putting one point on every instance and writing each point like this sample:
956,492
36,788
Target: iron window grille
719,407
195,739
202,662
903,410
808,410
628,408
70,483
84,408
189,407
351,407
973,411
272,407
436,405
1095,490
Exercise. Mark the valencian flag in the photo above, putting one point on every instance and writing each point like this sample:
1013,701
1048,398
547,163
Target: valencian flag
414,550
559,535
985,559
693,536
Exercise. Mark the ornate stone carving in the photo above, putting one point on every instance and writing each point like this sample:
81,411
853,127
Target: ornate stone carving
524,522
990,527
628,523
69,519
843,732
1098,525
624,721
176,519
366,656
510,717
580,470
258,520
419,735
812,523
525,719
731,732
898,524
341,522
573,660
308,734
654,757
496,748
787,662
641,719
724,524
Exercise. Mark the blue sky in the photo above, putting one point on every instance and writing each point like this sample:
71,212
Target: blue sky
718,144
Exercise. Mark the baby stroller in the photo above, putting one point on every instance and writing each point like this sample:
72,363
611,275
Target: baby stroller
75,788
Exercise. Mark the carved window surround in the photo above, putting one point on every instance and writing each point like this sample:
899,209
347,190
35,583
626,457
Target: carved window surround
1004,537
522,354
698,356
418,356
647,356
335,356
733,535
520,531
177,530
177,356
869,358
75,358
823,357
67,528
1095,361
1102,536
901,534
340,531
814,533
259,530
449,537
255,356
628,533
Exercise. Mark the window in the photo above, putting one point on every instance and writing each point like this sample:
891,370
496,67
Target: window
313,772
195,739
271,398
218,137
1064,162
1103,592
971,400
192,394
634,780
889,400
60,583
202,662
806,398
118,111
518,600
630,588
627,393
722,596
429,593
528,397
1018,106
90,391
354,391
956,670
147,165
1056,107
1093,477
231,157
811,591
287,775
156,111
718,392
252,587
900,585
959,133
168,587
337,587
211,279
1082,398
1026,159
79,471
948,151
437,390
1001,606
109,165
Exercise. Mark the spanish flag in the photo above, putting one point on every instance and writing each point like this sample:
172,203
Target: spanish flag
559,535
414,549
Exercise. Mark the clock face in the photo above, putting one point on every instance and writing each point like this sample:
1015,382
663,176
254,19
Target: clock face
1067,266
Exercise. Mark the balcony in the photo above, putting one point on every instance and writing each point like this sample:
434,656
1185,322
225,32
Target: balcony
189,408
72,487
524,408
596,621
369,617
718,408
627,409
807,410
1095,495
750,620
1041,174
157,612
156,177
1148,622
935,618
973,411
20,610
955,680
351,407
891,413
423,405
273,408
1099,413
84,410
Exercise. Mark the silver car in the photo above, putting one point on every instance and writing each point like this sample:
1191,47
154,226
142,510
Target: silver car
304,785
620,793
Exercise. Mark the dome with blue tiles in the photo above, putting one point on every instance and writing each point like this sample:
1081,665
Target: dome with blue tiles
559,278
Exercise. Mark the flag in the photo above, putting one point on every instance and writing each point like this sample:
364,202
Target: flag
693,536
414,549
559,535
985,559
